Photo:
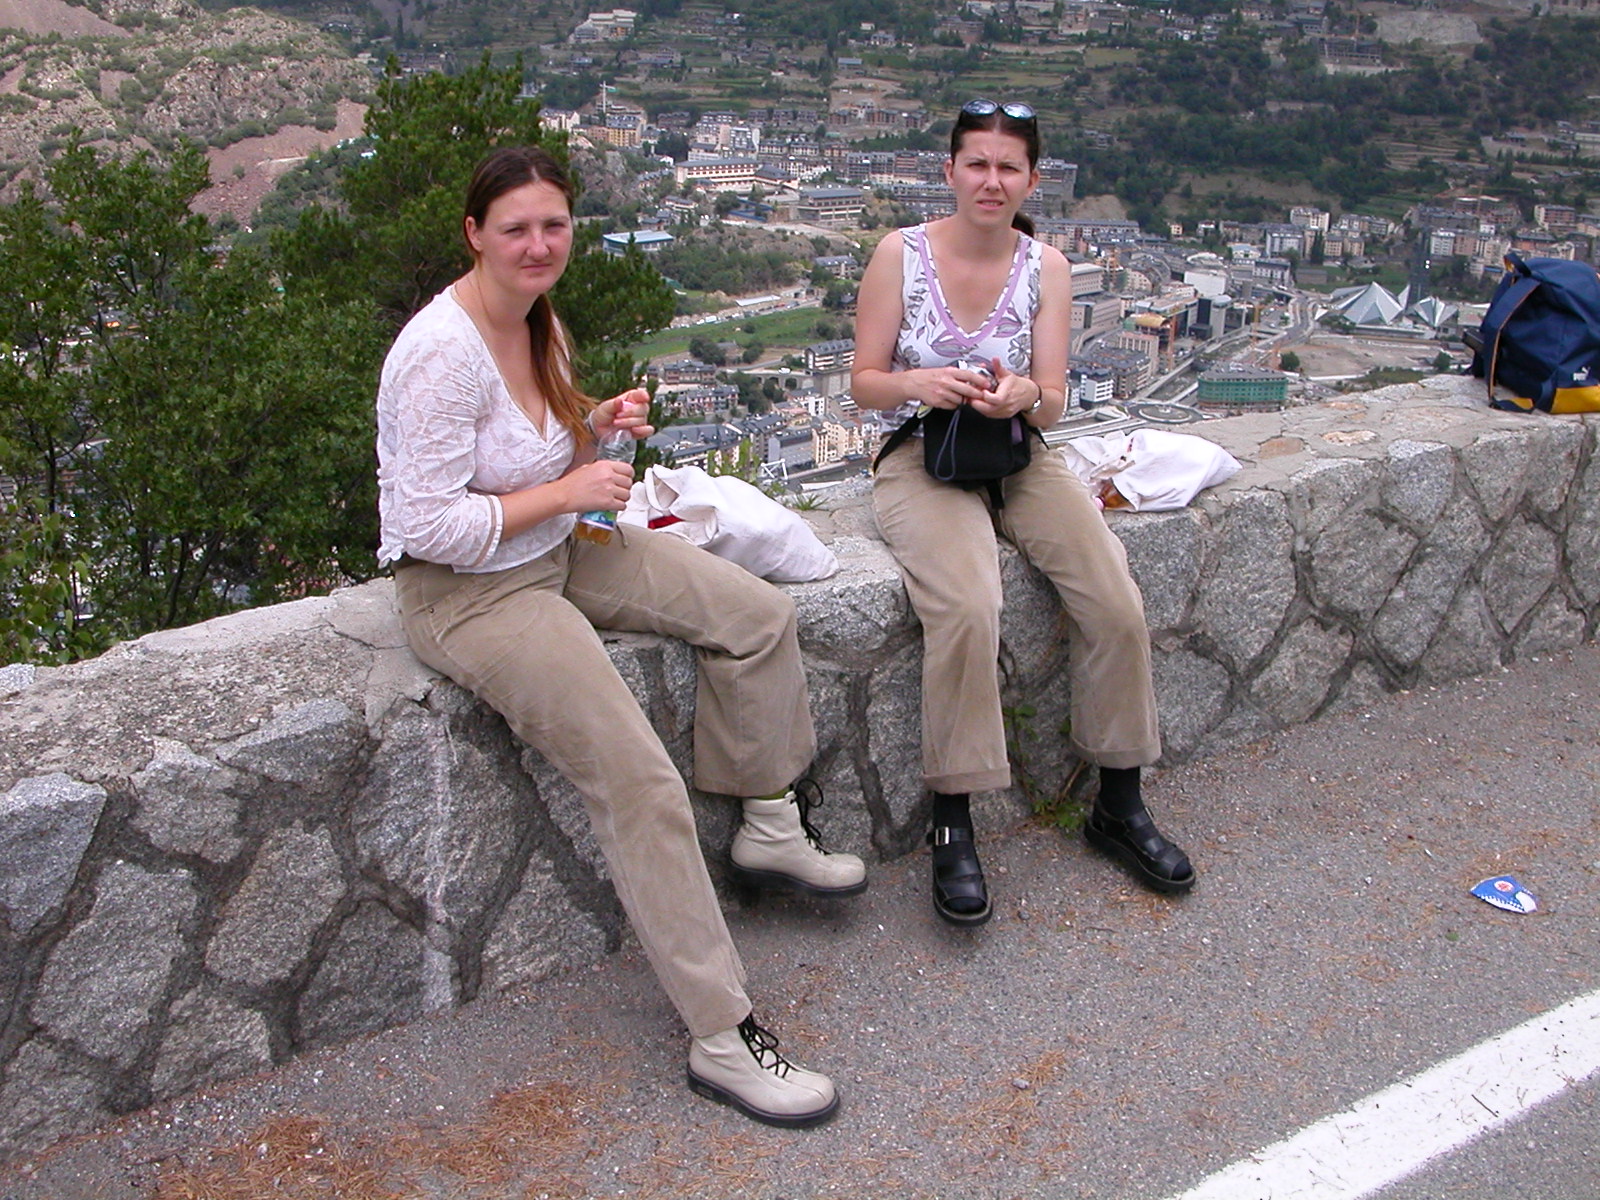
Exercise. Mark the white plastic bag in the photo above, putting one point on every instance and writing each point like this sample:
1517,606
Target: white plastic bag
732,519
1150,469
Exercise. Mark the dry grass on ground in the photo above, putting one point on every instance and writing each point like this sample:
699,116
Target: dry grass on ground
537,1132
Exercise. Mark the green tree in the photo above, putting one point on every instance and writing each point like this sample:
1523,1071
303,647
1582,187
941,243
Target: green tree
198,443
707,350
397,239
43,387
742,461
674,145
840,294
1289,361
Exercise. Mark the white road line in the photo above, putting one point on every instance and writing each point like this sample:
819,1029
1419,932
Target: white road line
1393,1133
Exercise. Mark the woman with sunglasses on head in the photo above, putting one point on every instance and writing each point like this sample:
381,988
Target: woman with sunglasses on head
487,454
934,298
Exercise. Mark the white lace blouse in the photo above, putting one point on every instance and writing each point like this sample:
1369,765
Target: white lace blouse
451,441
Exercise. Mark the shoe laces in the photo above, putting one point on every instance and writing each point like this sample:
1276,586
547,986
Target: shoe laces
808,795
763,1046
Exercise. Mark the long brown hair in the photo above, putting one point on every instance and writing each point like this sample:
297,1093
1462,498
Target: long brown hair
504,171
1026,128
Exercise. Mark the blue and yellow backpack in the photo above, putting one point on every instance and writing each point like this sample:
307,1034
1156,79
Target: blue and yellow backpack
1540,338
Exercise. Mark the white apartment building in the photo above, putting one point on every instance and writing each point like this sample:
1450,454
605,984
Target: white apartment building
1309,218
835,439
1090,387
610,26
718,174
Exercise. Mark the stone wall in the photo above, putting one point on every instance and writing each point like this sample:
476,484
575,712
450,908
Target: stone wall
226,843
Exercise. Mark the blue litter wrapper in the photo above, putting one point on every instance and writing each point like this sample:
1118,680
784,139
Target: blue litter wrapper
1503,891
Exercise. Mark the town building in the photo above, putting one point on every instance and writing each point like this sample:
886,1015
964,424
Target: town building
836,437
648,241
1557,219
718,174
1130,370
829,363
685,444
1090,387
1143,341
837,355
791,450
831,207
1273,272
686,370
1309,218
612,26
840,266
1236,388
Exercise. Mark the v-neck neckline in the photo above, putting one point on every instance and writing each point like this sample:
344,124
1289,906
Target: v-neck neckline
499,371
936,291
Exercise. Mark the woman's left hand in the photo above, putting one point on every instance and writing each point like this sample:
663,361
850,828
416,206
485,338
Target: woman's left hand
629,412
1012,394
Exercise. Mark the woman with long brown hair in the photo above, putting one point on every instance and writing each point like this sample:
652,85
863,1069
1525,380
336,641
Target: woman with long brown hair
937,301
487,453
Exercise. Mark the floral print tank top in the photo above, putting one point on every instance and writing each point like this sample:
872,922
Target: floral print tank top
929,333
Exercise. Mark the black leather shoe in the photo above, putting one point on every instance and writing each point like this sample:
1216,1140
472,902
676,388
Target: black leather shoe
1135,842
957,876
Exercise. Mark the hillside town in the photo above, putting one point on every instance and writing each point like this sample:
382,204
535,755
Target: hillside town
1204,317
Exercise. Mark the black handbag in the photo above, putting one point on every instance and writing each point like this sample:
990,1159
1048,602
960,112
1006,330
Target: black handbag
968,449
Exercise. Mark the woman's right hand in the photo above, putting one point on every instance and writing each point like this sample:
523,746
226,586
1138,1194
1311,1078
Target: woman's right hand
601,486
947,387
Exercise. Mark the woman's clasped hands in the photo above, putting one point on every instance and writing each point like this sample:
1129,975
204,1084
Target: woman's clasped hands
1005,395
1013,395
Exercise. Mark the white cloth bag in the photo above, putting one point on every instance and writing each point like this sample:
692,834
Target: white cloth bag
1152,469
732,519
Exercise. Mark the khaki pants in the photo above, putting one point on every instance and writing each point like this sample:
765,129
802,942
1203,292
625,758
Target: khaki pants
944,539
524,641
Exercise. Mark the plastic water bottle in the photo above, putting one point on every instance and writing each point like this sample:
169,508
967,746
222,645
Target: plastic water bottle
599,525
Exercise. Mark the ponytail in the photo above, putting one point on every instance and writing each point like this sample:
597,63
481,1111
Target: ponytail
552,369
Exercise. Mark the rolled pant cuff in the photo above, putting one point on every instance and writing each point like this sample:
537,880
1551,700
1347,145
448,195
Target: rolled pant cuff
761,786
971,781
1117,759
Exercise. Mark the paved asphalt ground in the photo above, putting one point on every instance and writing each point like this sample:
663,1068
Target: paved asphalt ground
1092,1041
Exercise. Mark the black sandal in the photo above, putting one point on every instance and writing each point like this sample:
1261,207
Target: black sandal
1134,841
957,875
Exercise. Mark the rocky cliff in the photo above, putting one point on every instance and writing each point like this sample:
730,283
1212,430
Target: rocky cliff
141,75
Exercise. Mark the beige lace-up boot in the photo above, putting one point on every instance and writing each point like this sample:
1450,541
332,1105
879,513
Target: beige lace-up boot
742,1067
777,847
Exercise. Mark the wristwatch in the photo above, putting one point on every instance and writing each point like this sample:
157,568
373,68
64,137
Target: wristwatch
1034,407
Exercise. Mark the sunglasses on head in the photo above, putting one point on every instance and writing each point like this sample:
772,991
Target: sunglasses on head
1015,109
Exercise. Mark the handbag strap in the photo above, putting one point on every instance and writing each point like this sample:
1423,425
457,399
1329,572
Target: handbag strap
896,439
944,458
